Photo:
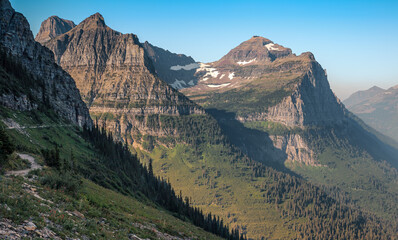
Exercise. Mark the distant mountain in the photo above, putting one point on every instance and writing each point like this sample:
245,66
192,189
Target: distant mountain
361,96
177,70
117,79
263,83
260,80
52,27
30,77
378,108
278,108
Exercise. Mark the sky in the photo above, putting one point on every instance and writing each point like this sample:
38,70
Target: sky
355,41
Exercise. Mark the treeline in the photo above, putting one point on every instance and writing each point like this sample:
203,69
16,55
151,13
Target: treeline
327,218
140,179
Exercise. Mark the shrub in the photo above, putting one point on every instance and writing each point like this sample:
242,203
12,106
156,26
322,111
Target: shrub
65,181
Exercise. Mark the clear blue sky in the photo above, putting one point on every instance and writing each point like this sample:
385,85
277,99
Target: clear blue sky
356,41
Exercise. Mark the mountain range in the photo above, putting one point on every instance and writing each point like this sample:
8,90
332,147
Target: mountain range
257,137
378,108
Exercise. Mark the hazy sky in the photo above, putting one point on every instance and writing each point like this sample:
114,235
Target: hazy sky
356,41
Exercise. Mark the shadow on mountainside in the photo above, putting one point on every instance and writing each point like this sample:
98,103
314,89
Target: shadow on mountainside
366,138
254,143
259,146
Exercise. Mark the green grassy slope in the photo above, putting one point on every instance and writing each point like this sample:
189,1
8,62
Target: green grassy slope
259,200
106,214
352,166
124,214
352,162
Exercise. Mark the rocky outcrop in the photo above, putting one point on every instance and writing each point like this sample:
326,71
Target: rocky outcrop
177,70
52,27
292,148
50,83
20,103
116,78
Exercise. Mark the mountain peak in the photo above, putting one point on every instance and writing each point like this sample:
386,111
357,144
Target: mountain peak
375,88
257,50
259,39
94,21
52,27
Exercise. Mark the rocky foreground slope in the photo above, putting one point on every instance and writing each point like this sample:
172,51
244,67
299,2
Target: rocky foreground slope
45,83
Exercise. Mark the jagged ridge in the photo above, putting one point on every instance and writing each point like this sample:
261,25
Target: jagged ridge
52,27
116,78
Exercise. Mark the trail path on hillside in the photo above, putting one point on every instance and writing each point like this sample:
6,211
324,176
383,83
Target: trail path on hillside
11,124
33,165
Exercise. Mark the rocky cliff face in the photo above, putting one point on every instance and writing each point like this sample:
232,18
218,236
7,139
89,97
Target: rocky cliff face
291,147
271,83
312,103
177,70
261,81
116,78
52,27
49,83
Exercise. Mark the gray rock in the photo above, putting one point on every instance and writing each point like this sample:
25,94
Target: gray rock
116,78
52,85
52,27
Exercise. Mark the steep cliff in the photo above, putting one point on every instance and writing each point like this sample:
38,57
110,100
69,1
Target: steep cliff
263,81
117,79
52,27
42,81
278,109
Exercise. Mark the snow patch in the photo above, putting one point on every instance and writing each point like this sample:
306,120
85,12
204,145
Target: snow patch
270,46
218,85
191,83
210,72
186,67
231,75
222,75
245,62
178,84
